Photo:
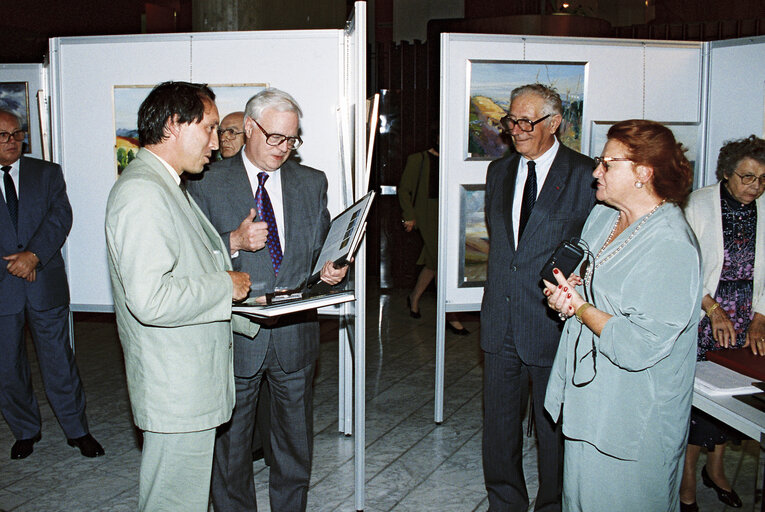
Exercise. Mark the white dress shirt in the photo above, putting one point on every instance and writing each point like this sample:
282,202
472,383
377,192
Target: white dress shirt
168,167
274,189
543,164
14,176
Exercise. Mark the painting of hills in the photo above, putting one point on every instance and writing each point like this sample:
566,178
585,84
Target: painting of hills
490,85
128,98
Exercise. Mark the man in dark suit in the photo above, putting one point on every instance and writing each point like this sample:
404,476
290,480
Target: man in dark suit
290,202
534,199
35,220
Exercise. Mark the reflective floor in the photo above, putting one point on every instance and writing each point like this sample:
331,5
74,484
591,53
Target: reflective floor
412,464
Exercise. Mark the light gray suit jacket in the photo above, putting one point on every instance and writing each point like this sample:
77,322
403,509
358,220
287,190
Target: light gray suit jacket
172,297
225,195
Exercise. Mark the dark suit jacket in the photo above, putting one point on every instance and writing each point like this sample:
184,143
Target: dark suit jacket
513,302
224,194
45,218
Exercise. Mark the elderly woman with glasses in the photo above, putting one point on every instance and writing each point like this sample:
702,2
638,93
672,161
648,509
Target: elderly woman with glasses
622,380
728,219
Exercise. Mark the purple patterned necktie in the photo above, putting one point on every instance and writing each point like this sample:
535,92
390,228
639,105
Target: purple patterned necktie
266,214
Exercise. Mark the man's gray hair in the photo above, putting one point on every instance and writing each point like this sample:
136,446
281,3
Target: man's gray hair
553,103
13,115
271,98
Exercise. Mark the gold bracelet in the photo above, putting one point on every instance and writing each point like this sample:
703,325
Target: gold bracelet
714,306
580,310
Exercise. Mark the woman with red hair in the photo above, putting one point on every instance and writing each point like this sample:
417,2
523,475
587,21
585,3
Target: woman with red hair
622,380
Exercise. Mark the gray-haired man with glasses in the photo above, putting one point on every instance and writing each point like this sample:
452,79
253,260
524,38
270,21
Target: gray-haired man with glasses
534,199
272,213
231,134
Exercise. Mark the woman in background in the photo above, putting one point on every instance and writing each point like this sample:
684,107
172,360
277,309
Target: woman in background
728,219
418,197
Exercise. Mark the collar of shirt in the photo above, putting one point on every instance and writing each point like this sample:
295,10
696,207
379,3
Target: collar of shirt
168,167
543,165
14,176
273,187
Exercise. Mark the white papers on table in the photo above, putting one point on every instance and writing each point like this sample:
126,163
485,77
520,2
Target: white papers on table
714,379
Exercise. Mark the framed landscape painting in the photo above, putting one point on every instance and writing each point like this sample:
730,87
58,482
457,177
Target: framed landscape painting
474,237
14,97
490,85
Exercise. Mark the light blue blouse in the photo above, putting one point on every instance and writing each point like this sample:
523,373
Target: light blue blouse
643,366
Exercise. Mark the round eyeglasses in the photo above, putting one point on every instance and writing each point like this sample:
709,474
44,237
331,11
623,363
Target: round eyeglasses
228,133
275,139
746,179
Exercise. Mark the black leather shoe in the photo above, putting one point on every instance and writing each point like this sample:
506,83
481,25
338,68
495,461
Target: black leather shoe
413,314
730,498
23,448
88,446
689,507
459,332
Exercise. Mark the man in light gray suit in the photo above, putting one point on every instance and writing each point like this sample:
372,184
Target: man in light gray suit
534,199
173,287
260,194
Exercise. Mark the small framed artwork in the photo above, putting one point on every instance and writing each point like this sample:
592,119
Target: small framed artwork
128,98
474,237
14,97
490,85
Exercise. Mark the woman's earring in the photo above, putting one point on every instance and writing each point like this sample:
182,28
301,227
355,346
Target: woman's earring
638,184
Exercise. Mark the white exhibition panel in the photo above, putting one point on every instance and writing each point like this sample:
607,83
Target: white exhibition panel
736,94
34,76
623,79
84,71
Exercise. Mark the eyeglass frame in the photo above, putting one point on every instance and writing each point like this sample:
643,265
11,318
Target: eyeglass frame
516,122
604,160
753,177
297,141
229,132
13,134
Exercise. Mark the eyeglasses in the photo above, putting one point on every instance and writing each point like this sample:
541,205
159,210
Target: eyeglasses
526,125
228,133
746,179
605,160
18,136
275,139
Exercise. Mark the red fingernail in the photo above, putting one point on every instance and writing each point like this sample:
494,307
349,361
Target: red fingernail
555,271
560,286
571,308
565,289
568,297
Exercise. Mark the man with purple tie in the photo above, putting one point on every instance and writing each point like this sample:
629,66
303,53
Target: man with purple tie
272,214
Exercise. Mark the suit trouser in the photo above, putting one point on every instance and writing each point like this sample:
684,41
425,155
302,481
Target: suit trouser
233,487
50,333
504,402
175,471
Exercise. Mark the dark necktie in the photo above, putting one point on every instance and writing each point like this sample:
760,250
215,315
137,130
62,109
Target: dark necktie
529,197
266,214
11,199
182,185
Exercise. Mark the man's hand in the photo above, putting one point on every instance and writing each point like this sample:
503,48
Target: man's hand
332,275
22,264
249,236
409,225
242,284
